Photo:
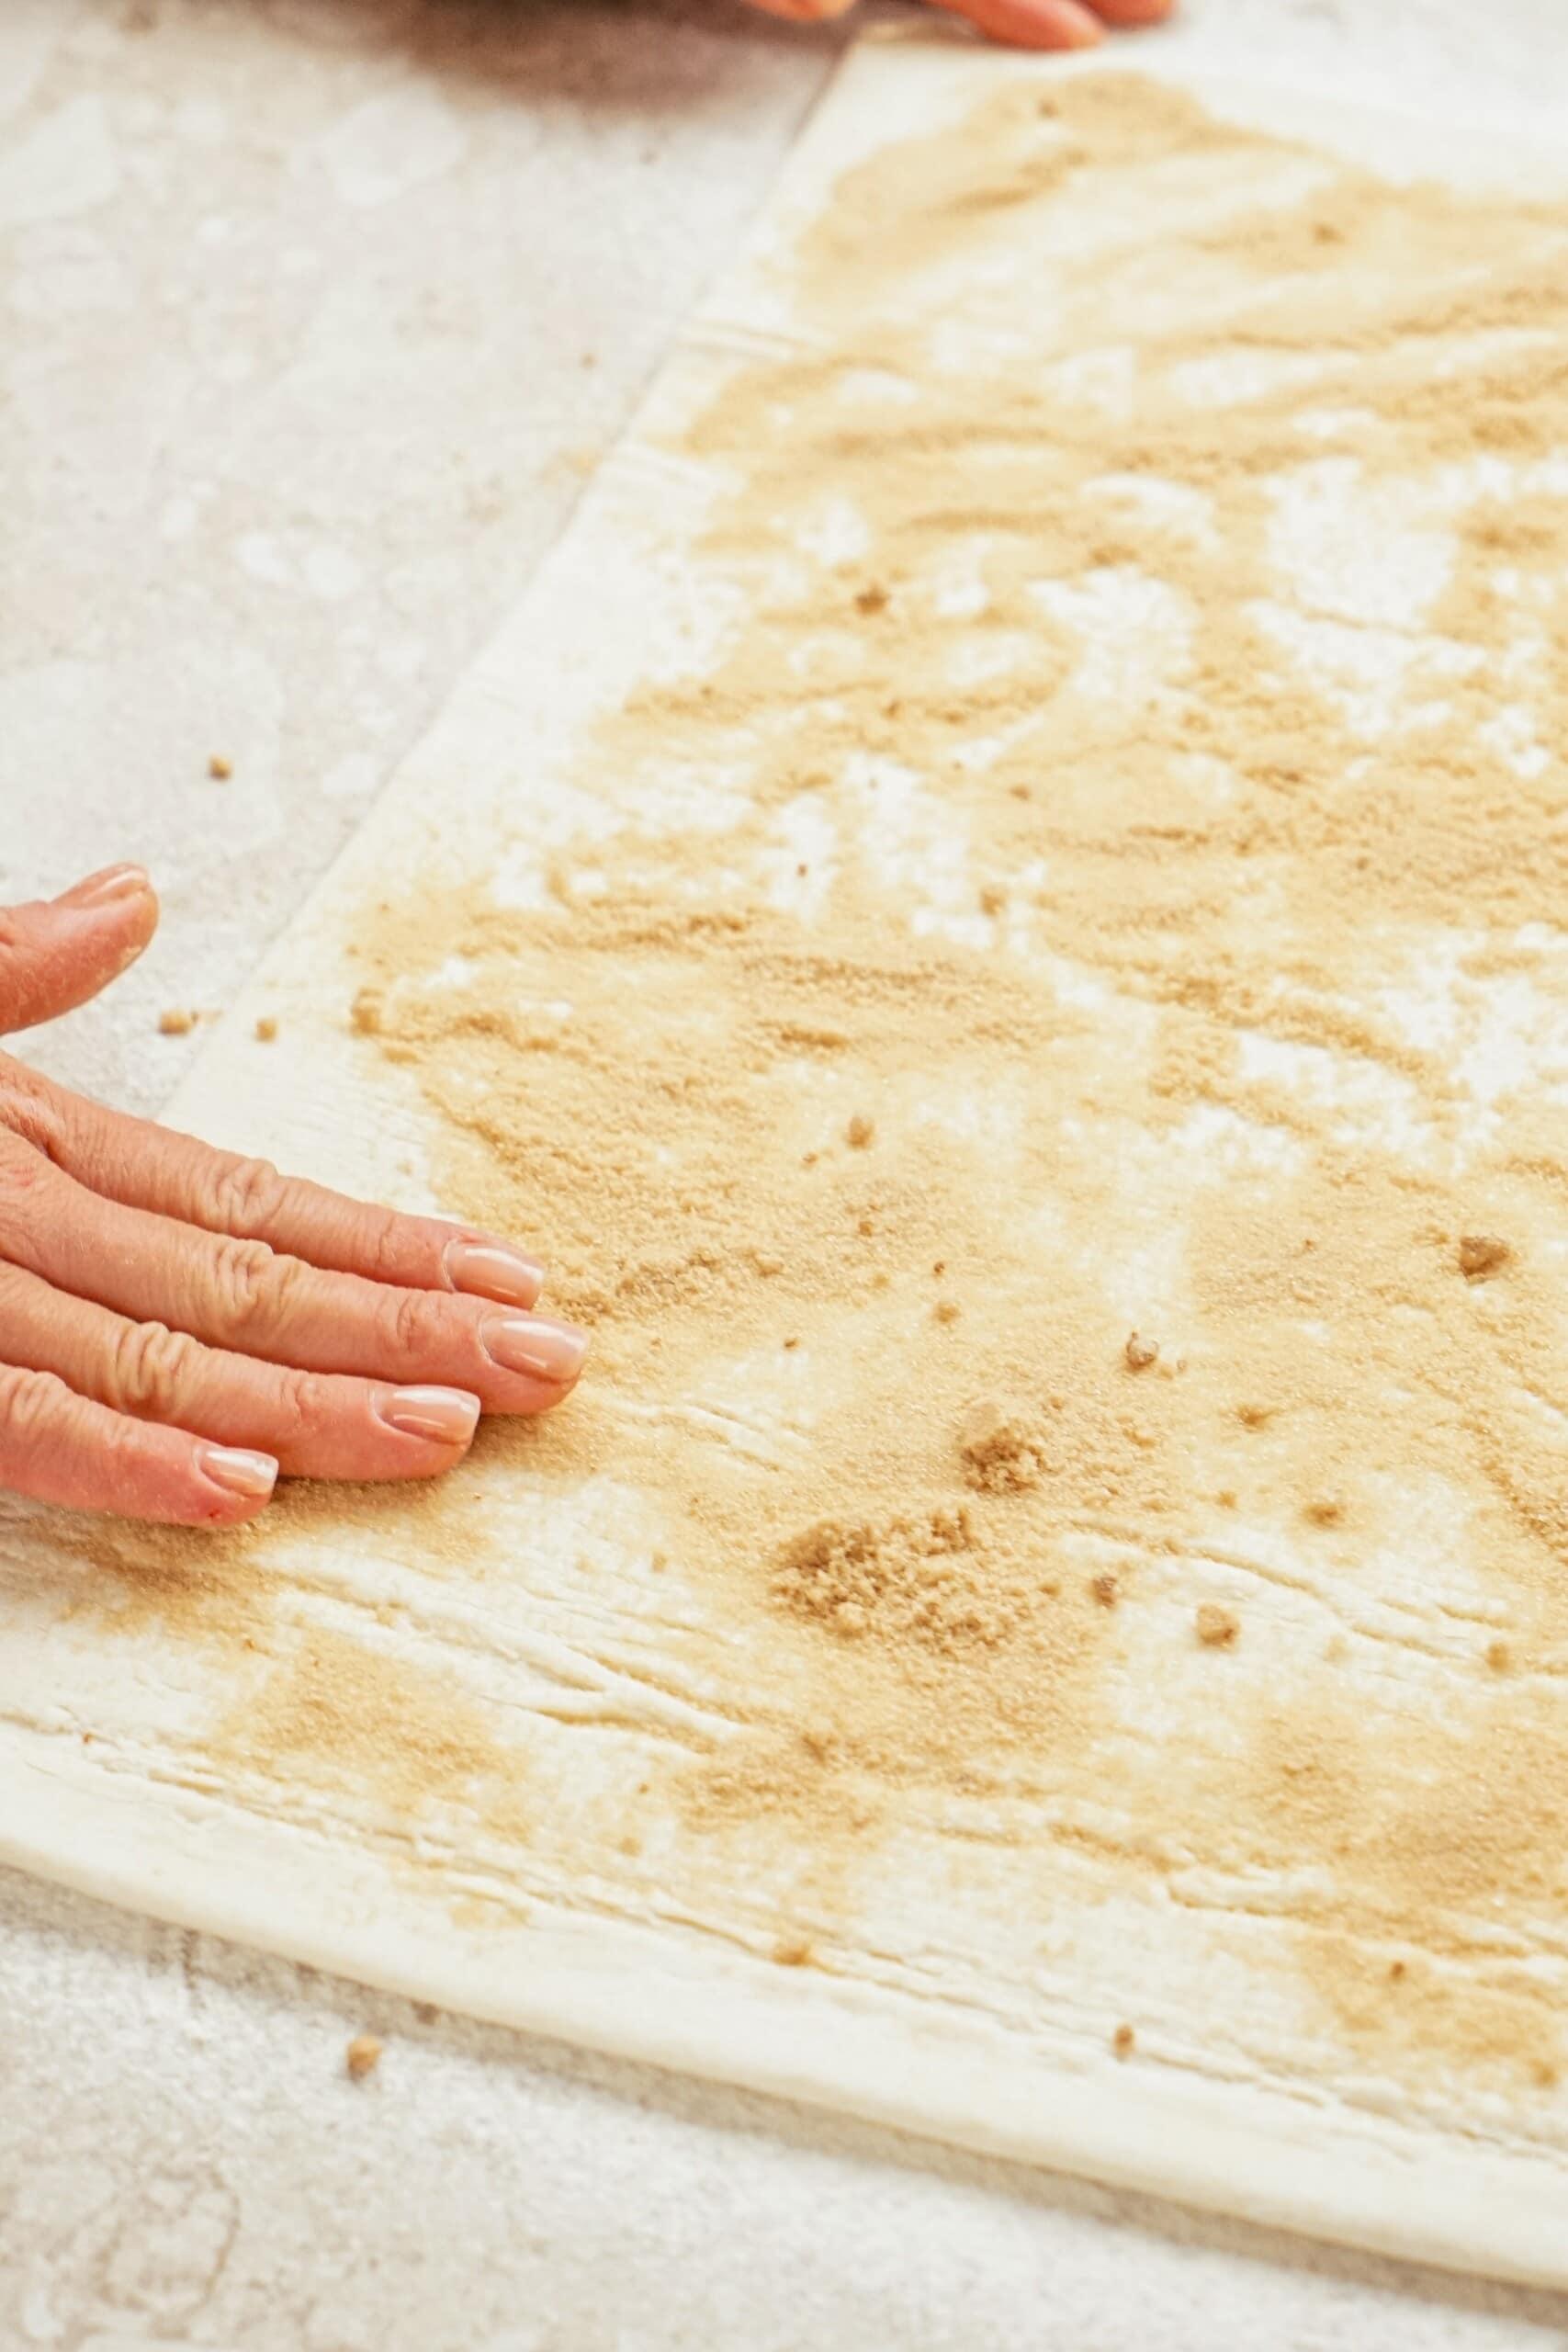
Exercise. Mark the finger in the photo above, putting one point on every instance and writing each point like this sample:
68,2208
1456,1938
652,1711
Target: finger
56,1447
153,1168
314,1425
805,12
57,953
244,1296
1129,14
1031,24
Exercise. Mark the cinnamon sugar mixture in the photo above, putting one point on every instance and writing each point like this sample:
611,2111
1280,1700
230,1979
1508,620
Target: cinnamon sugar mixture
1048,1075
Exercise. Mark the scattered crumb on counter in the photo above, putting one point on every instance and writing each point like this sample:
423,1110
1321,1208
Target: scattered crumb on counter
992,900
1481,1255
946,1311
266,1028
363,2056
218,768
1106,1589
1140,1353
791,1952
176,1023
1499,1656
859,1131
1123,2040
1325,1512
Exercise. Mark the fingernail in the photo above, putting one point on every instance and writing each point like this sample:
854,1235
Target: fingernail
103,890
447,1415
239,1472
530,1343
490,1270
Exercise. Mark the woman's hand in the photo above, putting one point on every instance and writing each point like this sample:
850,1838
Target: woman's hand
177,1324
1022,24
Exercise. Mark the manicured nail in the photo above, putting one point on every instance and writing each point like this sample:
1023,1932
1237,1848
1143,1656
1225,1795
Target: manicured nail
447,1415
530,1343
490,1270
237,1471
103,890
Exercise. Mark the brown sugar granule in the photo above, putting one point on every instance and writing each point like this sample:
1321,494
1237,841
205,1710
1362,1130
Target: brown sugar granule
218,768
872,599
792,1342
1000,1451
1482,1255
363,2056
1253,1417
1499,1656
791,1952
1106,1589
1325,1511
1227,1499
266,1028
1396,1972
859,1131
992,901
928,1578
368,1011
1124,2041
176,1023
1217,1628
1140,1353
946,1311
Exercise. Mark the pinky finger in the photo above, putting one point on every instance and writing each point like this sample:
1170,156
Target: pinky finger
57,1447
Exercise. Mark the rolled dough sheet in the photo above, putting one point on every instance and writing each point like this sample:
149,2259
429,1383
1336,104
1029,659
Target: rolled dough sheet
997,914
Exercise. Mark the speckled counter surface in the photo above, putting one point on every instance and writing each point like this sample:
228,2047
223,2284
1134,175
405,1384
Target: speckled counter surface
314,316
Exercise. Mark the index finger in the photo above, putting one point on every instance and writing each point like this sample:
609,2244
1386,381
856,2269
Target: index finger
147,1167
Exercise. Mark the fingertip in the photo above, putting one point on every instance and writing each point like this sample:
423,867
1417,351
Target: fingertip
109,887
234,1482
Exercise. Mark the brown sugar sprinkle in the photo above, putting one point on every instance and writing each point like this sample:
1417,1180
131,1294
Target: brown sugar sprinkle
1124,2041
791,1952
218,768
1499,1656
1482,1255
859,1131
266,1028
176,1023
872,599
1396,1972
363,2056
992,901
1217,1628
1106,1589
946,1311
1255,860
1000,1450
1140,1353
1325,1512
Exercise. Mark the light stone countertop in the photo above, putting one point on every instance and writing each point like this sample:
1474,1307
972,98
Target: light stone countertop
314,316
